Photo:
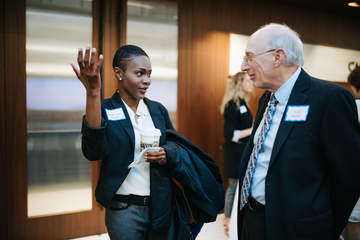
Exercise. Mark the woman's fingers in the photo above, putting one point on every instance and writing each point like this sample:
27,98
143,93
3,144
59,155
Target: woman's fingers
87,57
76,70
80,59
78,74
156,157
92,60
99,63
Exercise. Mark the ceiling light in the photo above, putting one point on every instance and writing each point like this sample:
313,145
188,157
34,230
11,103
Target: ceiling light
135,4
353,4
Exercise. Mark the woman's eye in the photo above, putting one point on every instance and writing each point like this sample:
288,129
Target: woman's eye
139,74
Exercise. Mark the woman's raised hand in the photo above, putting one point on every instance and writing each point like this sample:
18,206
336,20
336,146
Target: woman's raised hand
89,72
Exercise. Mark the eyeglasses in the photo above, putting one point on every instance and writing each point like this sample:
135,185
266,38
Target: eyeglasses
250,57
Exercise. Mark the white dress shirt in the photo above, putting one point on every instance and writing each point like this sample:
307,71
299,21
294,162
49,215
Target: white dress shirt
138,180
257,187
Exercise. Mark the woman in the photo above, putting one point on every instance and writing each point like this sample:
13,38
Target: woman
237,129
136,199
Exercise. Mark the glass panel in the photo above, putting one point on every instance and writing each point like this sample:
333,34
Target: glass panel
59,177
153,25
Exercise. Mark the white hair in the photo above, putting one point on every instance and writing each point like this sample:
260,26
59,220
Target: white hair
282,36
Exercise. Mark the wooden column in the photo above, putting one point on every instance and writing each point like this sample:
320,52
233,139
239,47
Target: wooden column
4,202
113,34
13,88
203,69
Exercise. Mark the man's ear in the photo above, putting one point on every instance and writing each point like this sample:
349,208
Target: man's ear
279,56
119,73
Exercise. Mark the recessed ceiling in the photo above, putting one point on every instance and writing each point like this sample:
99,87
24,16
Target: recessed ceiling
338,7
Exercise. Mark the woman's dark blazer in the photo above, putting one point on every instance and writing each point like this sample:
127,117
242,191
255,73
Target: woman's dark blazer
234,119
113,143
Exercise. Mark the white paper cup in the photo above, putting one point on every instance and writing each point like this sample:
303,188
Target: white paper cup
149,138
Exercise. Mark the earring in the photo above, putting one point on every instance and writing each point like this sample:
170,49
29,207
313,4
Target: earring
120,79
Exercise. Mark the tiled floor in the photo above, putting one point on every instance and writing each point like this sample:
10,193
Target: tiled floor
210,231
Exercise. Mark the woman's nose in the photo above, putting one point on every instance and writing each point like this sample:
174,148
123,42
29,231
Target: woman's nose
147,80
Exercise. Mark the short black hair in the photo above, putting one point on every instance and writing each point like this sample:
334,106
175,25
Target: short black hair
125,52
354,78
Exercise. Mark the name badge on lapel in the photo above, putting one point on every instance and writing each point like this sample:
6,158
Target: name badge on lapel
115,114
243,109
297,113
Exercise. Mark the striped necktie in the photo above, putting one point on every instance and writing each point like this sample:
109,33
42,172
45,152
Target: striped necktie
268,115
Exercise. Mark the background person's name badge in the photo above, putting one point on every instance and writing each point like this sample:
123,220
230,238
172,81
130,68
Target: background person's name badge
243,109
297,113
115,114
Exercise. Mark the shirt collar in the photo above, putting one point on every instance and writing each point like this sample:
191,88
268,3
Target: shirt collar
283,93
142,109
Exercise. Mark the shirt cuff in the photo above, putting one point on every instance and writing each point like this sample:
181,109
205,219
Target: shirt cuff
236,136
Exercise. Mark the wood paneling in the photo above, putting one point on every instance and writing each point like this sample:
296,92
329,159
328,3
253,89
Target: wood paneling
204,47
15,109
3,163
111,34
203,70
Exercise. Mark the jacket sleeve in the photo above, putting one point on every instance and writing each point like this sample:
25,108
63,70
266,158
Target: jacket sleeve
93,140
340,135
204,190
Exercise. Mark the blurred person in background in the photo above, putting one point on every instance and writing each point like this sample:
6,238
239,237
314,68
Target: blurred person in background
353,226
237,129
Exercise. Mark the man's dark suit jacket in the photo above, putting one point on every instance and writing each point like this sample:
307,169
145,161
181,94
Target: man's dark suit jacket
313,180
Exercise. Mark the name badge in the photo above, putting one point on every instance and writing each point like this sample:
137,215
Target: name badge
243,109
115,114
297,113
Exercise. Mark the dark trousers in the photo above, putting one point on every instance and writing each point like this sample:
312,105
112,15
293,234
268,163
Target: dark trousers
253,221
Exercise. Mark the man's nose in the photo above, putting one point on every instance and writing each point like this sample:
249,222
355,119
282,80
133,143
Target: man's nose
244,66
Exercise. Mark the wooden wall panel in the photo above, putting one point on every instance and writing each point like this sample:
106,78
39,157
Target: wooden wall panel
203,70
111,33
15,109
314,26
3,163
203,54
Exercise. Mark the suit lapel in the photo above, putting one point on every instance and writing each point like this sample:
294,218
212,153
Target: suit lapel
261,111
117,102
297,97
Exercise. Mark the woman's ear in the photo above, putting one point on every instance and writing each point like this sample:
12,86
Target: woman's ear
119,73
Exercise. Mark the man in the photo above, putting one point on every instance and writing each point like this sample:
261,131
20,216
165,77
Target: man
299,171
